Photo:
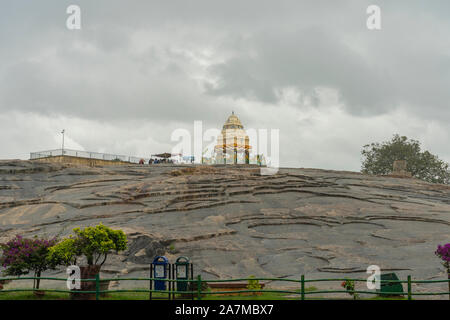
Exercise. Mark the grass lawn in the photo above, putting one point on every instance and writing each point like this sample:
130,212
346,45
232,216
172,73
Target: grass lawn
137,296
28,295
264,296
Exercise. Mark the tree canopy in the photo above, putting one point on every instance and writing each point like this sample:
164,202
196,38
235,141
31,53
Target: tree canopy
94,243
378,158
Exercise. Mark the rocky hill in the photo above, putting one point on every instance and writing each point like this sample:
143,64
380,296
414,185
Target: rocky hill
233,222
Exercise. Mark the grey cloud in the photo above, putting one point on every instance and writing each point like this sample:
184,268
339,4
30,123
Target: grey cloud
273,45
317,57
102,86
306,59
146,61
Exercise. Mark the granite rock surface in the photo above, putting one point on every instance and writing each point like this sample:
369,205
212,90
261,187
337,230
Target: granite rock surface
233,222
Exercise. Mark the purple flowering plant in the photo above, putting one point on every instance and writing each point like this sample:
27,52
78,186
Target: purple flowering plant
21,256
443,252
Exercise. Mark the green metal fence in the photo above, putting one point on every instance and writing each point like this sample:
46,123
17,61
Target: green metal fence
301,292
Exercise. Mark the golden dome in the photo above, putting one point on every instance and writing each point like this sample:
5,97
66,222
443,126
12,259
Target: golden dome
233,122
233,144
233,135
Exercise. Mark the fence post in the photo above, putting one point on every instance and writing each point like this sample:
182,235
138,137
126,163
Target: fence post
303,287
409,288
97,286
151,282
448,277
199,287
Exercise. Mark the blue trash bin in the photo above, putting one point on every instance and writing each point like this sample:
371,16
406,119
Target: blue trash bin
160,268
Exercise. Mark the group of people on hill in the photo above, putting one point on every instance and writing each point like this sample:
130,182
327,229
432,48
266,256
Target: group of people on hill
156,161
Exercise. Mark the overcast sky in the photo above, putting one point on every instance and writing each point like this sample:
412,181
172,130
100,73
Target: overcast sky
137,70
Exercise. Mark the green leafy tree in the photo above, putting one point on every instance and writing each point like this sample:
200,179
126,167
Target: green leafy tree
64,253
378,158
93,243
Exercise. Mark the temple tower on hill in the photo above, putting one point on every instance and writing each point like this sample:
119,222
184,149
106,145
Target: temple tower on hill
233,145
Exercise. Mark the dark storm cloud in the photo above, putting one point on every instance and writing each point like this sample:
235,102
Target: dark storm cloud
405,63
313,59
270,45
96,72
103,89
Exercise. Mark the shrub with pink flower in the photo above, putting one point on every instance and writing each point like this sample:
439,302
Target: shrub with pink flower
349,285
21,256
443,252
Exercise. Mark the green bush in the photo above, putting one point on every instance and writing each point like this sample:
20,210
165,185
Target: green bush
349,285
253,284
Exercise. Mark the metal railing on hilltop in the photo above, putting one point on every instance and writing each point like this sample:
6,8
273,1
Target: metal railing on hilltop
85,154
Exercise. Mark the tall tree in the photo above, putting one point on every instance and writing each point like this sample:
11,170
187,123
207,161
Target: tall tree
378,158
